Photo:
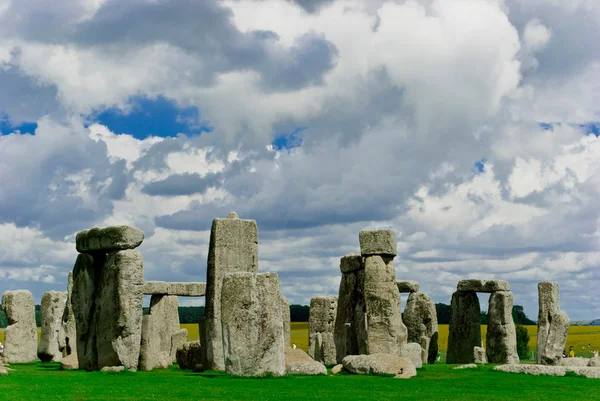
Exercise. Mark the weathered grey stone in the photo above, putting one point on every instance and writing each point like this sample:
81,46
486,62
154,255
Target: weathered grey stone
467,366
408,286
553,324
285,315
379,364
173,288
379,324
501,338
594,362
377,242
20,337
464,329
158,328
67,336
52,309
253,335
479,355
579,362
113,369
69,362
321,322
351,262
108,239
421,323
534,370
476,285
177,340
233,248
298,362
413,351
3,371
337,369
189,355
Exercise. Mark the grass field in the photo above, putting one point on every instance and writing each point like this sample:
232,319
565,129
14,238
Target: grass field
433,382
579,337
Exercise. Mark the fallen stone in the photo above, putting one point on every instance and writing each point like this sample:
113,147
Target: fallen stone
114,369
253,334
337,369
189,355
108,239
476,285
285,315
479,355
379,325
421,323
377,242
594,362
535,370
69,362
408,286
172,288
501,337
52,310
589,372
351,262
321,321
298,362
3,372
465,327
413,351
378,364
578,362
553,325
67,336
233,248
467,366
20,337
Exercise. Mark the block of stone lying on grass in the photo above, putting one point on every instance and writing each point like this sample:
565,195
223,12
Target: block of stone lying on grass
252,325
351,262
20,337
298,362
580,362
192,289
378,364
113,369
467,366
377,242
108,239
52,310
479,355
594,362
413,351
476,285
69,362
408,286
536,370
189,355
321,321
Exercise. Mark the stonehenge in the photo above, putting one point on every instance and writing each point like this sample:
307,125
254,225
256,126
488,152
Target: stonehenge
52,308
20,336
421,322
172,288
553,325
464,331
67,336
321,321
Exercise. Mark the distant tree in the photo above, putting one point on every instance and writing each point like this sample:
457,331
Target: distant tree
522,341
3,320
443,312
38,316
483,317
520,317
299,313
190,314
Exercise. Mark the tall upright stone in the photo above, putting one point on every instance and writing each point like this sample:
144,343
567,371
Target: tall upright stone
553,324
349,299
421,322
285,315
501,337
321,322
52,309
67,336
465,327
233,248
379,326
252,325
20,337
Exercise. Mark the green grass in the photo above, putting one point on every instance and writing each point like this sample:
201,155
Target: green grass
438,382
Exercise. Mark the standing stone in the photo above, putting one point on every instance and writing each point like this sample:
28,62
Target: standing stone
414,353
233,248
52,309
350,296
285,315
189,355
421,322
253,335
20,337
119,310
157,350
553,325
321,322
465,327
501,338
67,336
479,355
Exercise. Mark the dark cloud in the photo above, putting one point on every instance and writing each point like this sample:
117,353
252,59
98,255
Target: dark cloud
182,184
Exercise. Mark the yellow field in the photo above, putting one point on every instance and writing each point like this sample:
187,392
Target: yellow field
579,337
